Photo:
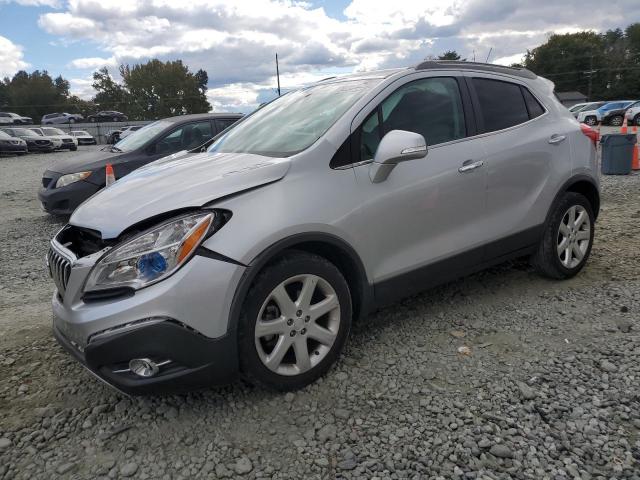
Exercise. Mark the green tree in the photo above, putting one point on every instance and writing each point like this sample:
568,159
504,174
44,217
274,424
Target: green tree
111,95
450,55
34,94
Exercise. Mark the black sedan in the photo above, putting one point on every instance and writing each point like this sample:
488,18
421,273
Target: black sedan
67,183
35,142
107,116
9,144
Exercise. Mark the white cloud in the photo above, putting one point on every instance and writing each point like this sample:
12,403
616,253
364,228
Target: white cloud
235,41
93,62
11,57
35,3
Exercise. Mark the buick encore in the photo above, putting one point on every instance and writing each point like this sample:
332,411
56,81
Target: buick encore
254,258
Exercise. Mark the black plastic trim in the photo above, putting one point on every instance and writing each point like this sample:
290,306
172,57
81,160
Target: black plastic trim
460,265
108,294
198,361
483,67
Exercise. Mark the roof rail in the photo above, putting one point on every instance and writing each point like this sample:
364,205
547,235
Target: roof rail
488,67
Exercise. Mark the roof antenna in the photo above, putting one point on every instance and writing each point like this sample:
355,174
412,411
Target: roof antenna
278,74
474,55
487,61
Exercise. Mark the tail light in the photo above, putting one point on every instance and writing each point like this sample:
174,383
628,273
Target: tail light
592,133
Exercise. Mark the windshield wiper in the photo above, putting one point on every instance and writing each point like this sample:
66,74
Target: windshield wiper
116,149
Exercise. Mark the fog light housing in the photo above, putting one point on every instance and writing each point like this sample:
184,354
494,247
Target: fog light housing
144,367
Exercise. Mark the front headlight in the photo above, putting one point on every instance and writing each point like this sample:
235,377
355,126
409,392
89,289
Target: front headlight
152,255
71,178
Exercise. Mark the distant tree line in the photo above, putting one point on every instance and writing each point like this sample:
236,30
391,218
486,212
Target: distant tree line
151,90
602,66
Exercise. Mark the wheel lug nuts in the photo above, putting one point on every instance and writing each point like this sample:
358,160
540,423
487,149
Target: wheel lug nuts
290,322
307,318
299,313
303,331
293,333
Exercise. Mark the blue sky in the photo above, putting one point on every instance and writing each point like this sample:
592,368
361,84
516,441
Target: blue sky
235,41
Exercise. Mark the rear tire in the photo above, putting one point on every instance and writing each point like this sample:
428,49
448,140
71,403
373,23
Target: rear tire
285,340
616,120
567,239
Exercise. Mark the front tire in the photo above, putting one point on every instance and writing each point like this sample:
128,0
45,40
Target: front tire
294,322
568,238
591,121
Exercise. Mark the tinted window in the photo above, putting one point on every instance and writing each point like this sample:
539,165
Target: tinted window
224,123
185,138
501,103
431,107
534,107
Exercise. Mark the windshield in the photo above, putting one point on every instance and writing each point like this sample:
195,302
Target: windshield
53,131
142,136
293,122
80,133
577,107
4,136
25,133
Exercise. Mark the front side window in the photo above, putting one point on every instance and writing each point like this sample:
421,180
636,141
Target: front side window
502,104
144,135
293,122
431,107
185,138
224,123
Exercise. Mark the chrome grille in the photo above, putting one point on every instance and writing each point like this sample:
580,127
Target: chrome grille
59,269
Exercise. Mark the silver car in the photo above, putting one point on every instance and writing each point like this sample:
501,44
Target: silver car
254,258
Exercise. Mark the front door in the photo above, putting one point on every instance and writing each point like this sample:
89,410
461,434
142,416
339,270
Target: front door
427,218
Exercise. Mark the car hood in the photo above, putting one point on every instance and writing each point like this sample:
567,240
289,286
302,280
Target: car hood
85,161
171,184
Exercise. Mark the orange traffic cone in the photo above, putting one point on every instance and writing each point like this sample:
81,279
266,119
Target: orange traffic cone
635,163
623,129
110,176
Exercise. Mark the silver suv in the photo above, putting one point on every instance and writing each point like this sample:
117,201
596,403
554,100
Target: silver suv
254,258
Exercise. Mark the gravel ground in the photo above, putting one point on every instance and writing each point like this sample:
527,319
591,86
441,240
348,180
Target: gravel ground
549,388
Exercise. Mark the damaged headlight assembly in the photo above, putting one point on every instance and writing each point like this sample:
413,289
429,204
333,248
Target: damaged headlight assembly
152,255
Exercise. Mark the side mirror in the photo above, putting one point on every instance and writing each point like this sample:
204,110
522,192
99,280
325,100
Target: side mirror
395,147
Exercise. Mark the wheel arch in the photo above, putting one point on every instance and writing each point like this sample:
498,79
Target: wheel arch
585,186
328,246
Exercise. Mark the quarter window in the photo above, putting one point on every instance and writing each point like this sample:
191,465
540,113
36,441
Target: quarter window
431,107
502,104
534,107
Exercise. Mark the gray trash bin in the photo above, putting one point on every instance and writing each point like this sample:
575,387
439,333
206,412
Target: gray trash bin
617,153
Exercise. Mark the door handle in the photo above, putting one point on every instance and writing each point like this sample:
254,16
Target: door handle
556,139
469,165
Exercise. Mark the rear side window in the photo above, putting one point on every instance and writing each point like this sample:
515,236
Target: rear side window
534,107
502,104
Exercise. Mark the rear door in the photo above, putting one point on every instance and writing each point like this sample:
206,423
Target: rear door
527,152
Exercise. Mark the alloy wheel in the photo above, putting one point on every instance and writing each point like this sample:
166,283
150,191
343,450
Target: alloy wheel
591,121
574,236
297,324
617,121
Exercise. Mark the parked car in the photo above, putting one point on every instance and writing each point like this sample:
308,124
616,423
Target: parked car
9,118
608,114
83,137
615,116
585,107
113,136
10,144
333,200
633,115
107,116
154,141
68,141
35,142
126,131
52,118
577,106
